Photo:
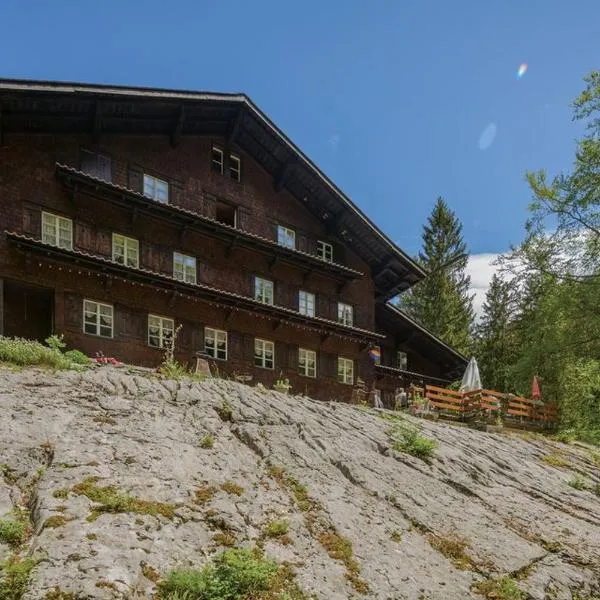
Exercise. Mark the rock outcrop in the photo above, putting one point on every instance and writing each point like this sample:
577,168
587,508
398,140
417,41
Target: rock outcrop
126,476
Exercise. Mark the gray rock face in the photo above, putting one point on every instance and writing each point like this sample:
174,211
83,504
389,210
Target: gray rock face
487,505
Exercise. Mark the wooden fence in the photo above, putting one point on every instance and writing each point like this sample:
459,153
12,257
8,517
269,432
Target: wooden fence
490,404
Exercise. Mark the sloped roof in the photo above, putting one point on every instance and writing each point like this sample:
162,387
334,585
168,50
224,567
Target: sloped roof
63,107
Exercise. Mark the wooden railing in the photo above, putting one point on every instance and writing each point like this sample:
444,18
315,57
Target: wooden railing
467,404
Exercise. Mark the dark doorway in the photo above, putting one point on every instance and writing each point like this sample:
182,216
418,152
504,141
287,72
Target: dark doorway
28,311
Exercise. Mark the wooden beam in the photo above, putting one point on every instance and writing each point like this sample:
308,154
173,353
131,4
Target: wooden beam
306,275
277,324
178,127
382,268
284,174
96,122
325,336
274,261
234,126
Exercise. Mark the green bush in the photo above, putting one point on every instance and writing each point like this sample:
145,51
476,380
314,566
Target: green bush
12,532
235,574
406,438
504,588
14,577
23,352
277,528
577,482
77,357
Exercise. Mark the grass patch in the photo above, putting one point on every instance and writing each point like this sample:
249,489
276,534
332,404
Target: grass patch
22,352
15,577
406,438
235,574
225,411
276,528
453,548
111,500
58,594
205,494
207,442
232,488
503,588
60,493
104,420
396,536
577,482
555,460
91,536
55,521
340,548
13,533
224,538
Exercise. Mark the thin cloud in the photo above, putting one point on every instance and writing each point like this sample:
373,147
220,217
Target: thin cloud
481,268
334,141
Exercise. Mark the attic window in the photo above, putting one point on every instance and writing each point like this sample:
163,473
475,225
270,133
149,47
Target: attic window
324,251
235,167
226,214
217,160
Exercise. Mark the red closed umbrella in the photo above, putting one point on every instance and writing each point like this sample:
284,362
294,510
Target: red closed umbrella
536,393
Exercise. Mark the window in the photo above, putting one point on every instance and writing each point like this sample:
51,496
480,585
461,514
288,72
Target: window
306,303
57,231
225,213
96,165
402,360
215,343
156,188
324,251
160,331
125,250
286,237
184,267
217,160
97,318
263,290
307,362
264,354
235,167
345,313
345,370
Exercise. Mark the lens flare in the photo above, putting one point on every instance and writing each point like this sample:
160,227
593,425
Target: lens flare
522,70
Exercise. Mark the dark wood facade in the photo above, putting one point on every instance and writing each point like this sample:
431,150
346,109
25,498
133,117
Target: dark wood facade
80,161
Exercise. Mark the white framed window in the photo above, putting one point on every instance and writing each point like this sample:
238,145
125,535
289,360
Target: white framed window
235,167
264,354
184,267
217,160
125,250
98,318
307,362
155,188
345,314
160,331
286,237
57,231
324,251
402,360
345,370
306,303
215,343
263,290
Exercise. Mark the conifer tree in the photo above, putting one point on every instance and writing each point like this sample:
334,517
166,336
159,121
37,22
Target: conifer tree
441,302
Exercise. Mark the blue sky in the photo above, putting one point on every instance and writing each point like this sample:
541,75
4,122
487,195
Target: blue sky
389,98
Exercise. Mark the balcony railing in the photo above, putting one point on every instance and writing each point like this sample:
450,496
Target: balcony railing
137,203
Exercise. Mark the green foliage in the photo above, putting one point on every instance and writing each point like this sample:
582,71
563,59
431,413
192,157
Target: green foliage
12,532
441,302
503,588
207,441
232,488
78,357
277,528
235,574
55,342
23,352
406,438
577,482
14,577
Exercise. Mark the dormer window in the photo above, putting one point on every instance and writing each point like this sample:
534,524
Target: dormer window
217,160
324,251
235,167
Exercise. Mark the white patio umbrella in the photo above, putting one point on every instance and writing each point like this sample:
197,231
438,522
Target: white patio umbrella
471,380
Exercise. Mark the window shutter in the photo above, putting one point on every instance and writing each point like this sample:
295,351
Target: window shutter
197,337
83,237
248,351
324,307
292,352
104,168
135,179
327,364
104,243
73,310
301,242
32,221
235,343
281,355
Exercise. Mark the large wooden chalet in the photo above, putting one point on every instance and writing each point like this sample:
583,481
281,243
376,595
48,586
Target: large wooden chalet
127,212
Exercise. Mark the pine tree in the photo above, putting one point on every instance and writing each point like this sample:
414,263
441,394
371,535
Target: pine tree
441,302
495,345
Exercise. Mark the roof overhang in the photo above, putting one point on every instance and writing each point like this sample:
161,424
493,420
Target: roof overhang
55,107
404,329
